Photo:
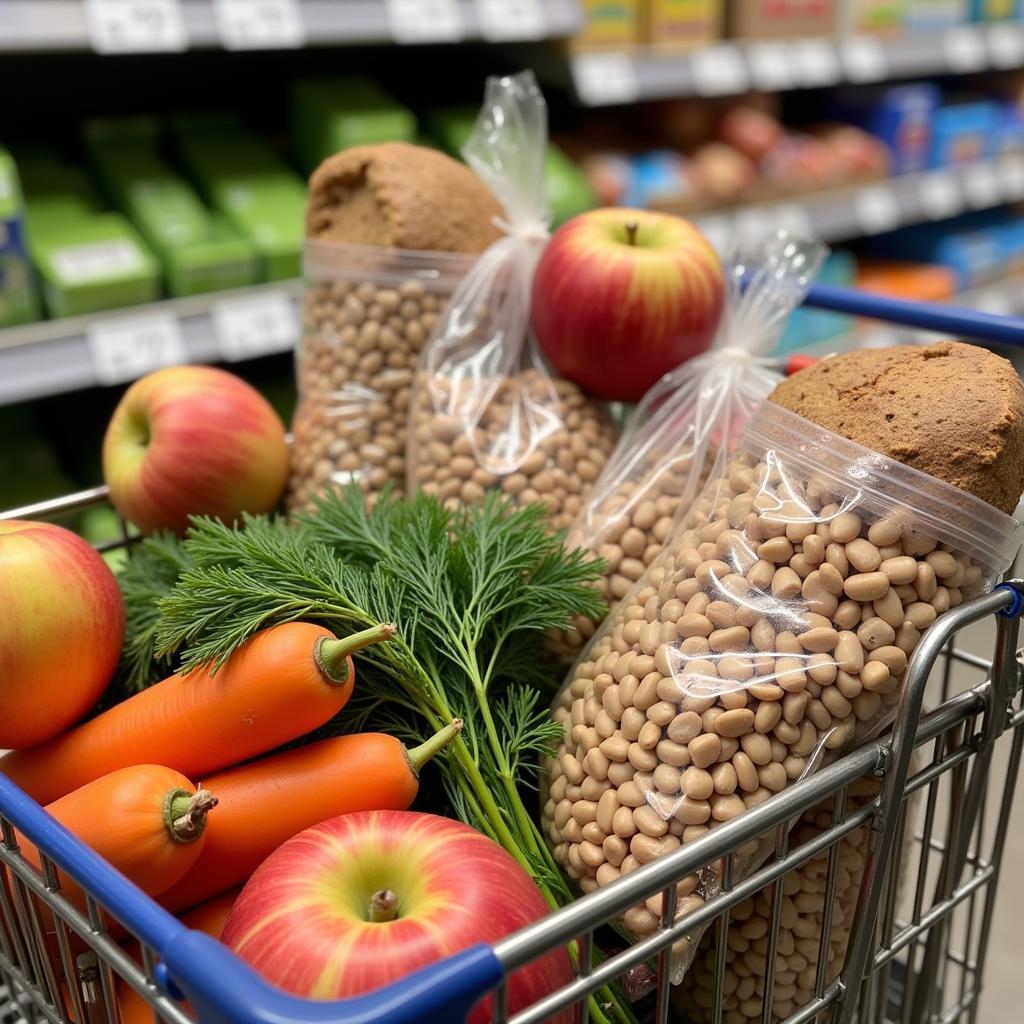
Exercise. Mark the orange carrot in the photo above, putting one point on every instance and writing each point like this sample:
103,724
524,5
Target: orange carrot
147,821
284,682
265,803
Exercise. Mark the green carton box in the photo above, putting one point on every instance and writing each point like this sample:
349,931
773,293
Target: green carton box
19,303
243,179
199,252
332,114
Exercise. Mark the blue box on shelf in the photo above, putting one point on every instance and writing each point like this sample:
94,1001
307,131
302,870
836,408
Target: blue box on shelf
962,132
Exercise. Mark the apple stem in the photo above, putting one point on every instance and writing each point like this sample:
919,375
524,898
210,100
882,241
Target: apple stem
383,906
631,229
332,655
419,756
185,813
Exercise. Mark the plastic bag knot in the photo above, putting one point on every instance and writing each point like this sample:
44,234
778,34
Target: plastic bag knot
530,231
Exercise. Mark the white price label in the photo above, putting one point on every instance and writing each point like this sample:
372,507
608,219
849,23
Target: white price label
259,24
135,26
864,59
995,300
1011,177
719,71
1006,44
877,209
818,62
981,186
256,325
425,21
965,49
128,347
504,20
770,65
940,195
97,261
605,78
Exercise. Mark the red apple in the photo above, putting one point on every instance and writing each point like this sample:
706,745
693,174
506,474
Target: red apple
193,440
61,630
620,297
364,899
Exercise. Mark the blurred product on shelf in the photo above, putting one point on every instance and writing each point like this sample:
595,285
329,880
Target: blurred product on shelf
870,16
19,303
241,177
920,282
609,23
995,10
781,19
963,131
569,191
332,114
935,15
88,259
680,24
900,116
199,251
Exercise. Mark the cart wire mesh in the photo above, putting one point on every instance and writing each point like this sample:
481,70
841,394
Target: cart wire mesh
899,852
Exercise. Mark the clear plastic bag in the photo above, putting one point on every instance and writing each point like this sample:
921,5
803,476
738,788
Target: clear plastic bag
772,632
487,413
688,423
367,314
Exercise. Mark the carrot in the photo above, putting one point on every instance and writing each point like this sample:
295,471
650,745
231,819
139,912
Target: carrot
284,682
147,821
208,917
265,803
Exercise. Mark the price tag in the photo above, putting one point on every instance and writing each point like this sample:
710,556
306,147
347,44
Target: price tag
1006,44
940,195
259,24
135,26
97,261
981,186
965,49
864,59
503,20
877,209
605,78
255,325
425,21
994,300
770,66
718,71
130,346
1011,177
817,62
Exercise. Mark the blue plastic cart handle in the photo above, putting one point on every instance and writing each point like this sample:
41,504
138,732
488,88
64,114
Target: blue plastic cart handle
927,316
221,988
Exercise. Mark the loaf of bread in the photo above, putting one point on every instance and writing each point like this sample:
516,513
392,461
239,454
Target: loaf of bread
401,196
953,411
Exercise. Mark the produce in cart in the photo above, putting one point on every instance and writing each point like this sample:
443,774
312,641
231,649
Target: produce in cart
487,413
688,423
63,624
193,441
367,898
775,628
285,682
391,229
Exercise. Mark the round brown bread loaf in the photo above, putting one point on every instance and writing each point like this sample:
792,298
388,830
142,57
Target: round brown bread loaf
401,196
953,411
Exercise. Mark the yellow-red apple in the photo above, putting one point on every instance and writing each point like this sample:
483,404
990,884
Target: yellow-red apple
620,297
61,630
366,898
193,440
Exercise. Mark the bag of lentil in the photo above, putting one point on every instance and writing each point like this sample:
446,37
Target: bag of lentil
487,414
687,424
772,631
391,229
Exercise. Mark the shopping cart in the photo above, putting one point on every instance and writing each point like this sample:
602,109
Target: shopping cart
916,954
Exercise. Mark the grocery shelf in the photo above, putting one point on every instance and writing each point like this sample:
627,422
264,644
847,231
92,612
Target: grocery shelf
855,211
614,77
146,26
57,356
